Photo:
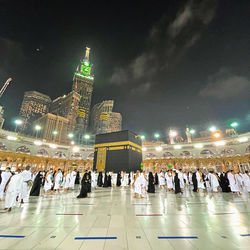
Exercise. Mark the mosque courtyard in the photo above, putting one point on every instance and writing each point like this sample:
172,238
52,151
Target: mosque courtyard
112,219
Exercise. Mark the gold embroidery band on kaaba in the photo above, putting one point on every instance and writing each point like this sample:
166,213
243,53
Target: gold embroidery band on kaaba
120,143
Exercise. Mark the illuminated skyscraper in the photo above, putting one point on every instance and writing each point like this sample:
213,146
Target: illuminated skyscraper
103,120
34,105
83,85
53,128
67,106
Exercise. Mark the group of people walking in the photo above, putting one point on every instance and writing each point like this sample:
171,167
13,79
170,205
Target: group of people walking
204,181
16,185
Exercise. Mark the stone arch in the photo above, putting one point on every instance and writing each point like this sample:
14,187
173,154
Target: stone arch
207,153
42,152
23,149
2,147
76,156
150,156
91,155
185,154
167,155
59,155
227,151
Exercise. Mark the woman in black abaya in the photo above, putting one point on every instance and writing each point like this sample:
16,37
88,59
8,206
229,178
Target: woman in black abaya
118,181
99,180
109,180
89,184
35,190
156,179
177,184
84,186
151,185
77,181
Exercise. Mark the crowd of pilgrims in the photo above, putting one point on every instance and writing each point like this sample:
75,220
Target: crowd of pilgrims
17,185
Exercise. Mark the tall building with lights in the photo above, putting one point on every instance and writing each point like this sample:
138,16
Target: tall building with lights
103,120
53,128
83,84
67,106
34,105
114,123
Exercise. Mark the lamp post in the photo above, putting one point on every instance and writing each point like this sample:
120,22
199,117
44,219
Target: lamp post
172,135
157,136
70,135
18,122
234,125
86,137
54,134
37,128
212,129
142,137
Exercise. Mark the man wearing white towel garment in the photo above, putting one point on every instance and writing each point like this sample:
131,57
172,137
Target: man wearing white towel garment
5,175
12,189
26,178
48,182
246,181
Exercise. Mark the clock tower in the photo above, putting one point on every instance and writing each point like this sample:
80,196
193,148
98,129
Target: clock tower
83,84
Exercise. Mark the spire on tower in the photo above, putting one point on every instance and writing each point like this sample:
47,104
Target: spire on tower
87,53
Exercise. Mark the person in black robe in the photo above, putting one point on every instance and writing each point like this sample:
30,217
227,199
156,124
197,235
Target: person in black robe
109,180
224,183
195,183
118,180
105,184
84,186
156,179
177,184
129,179
89,183
35,190
99,180
151,185
77,181
0,176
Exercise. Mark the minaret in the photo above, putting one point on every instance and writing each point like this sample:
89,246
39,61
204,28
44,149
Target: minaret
83,85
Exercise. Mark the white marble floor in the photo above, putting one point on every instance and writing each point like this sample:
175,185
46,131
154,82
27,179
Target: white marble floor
54,221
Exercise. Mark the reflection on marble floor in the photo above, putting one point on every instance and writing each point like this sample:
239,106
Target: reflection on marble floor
220,221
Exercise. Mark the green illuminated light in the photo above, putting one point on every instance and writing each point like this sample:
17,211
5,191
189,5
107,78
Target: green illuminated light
84,76
234,124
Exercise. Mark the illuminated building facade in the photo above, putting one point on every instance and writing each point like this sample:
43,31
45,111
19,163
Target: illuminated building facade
83,85
114,122
103,120
67,106
34,105
53,128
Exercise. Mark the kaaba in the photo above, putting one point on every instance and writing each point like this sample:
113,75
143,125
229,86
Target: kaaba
117,151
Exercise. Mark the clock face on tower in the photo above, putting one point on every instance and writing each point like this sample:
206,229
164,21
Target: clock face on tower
86,68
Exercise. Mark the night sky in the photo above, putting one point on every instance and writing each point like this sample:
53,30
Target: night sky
165,63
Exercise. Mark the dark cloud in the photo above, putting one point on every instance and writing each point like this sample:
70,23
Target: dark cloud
224,84
168,43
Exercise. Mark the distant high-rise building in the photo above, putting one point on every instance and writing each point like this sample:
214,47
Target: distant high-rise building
67,106
53,128
114,122
1,117
103,120
34,105
83,85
